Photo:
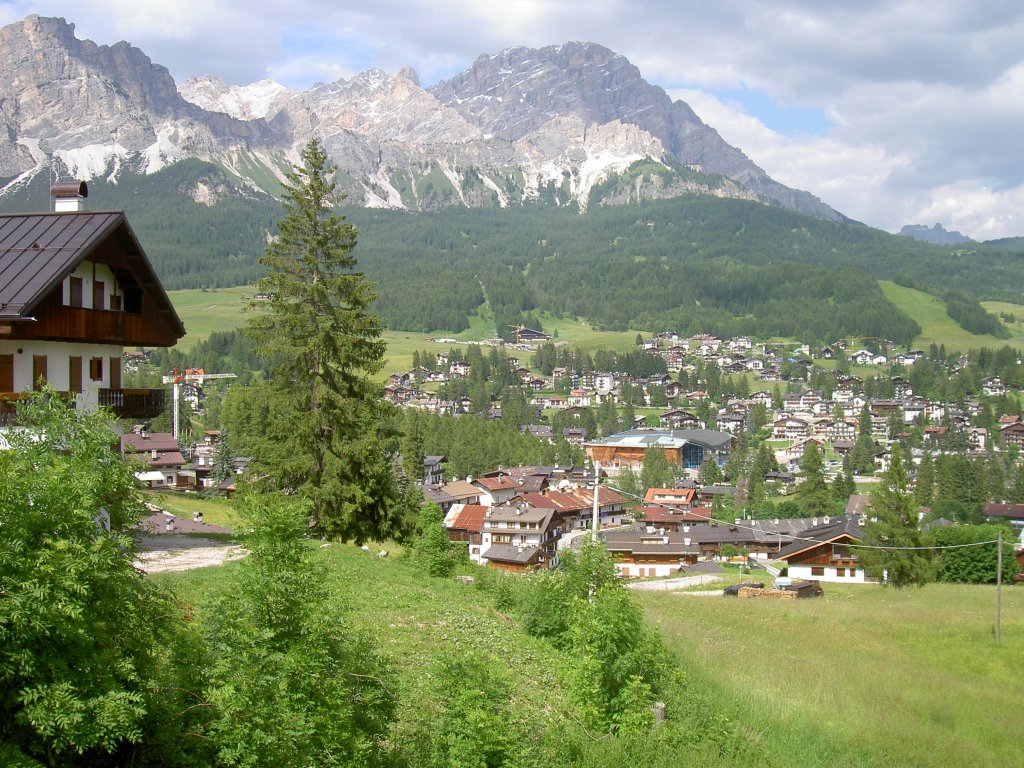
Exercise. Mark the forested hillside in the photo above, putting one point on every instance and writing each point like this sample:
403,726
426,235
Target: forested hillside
692,264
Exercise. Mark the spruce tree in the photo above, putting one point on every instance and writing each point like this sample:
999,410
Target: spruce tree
895,527
325,439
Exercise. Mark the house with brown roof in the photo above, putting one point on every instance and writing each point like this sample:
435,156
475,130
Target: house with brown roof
675,498
161,457
646,551
519,538
76,288
823,552
1012,434
465,522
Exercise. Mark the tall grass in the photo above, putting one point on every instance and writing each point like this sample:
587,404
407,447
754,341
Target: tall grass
865,675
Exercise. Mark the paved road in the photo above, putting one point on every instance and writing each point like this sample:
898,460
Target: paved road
682,582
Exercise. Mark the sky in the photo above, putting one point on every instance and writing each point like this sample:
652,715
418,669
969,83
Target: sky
891,111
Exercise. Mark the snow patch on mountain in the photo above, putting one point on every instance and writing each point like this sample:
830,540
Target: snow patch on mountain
93,160
262,99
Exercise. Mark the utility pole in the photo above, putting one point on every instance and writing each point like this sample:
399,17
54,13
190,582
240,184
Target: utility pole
596,515
190,375
999,583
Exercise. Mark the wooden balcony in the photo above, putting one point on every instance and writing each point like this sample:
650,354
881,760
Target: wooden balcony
100,326
134,403
9,405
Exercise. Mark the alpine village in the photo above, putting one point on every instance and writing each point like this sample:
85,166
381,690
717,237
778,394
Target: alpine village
369,426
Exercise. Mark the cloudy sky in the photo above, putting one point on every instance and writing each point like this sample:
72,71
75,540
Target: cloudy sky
892,111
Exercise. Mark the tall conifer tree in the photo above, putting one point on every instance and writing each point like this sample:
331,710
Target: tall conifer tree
326,436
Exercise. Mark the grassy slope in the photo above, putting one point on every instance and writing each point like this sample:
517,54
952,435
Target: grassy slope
938,328
865,675
416,623
862,677
203,312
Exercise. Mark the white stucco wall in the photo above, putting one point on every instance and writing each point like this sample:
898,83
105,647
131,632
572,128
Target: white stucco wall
90,272
58,356
804,572
645,570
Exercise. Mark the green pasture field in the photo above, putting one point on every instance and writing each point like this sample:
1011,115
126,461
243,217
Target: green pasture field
938,328
206,311
222,309
863,676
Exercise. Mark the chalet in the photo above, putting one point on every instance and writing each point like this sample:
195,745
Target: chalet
675,499
75,289
496,490
730,422
679,419
574,435
433,469
647,551
526,335
579,398
823,552
519,538
785,482
709,493
161,457
993,386
462,491
671,519
611,506
673,389
465,522
840,430
683,447
543,432
790,428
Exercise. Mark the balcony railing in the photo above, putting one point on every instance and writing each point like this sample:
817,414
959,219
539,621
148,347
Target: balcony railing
9,405
134,403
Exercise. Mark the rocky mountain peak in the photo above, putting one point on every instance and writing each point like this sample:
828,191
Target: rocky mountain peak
553,123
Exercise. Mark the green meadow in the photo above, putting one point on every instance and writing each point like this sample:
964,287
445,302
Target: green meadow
938,328
222,309
863,676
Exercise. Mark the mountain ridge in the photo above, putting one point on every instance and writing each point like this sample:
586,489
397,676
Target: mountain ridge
97,111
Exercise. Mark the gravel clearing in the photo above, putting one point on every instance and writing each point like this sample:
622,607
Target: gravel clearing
165,554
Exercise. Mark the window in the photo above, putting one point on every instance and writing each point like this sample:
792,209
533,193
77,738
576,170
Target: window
115,302
38,371
74,374
75,292
840,572
6,373
99,295
96,368
817,570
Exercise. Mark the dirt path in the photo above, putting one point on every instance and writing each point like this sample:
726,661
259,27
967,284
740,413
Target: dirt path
164,554
682,582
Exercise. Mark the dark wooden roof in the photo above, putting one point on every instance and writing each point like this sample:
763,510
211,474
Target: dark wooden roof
38,250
